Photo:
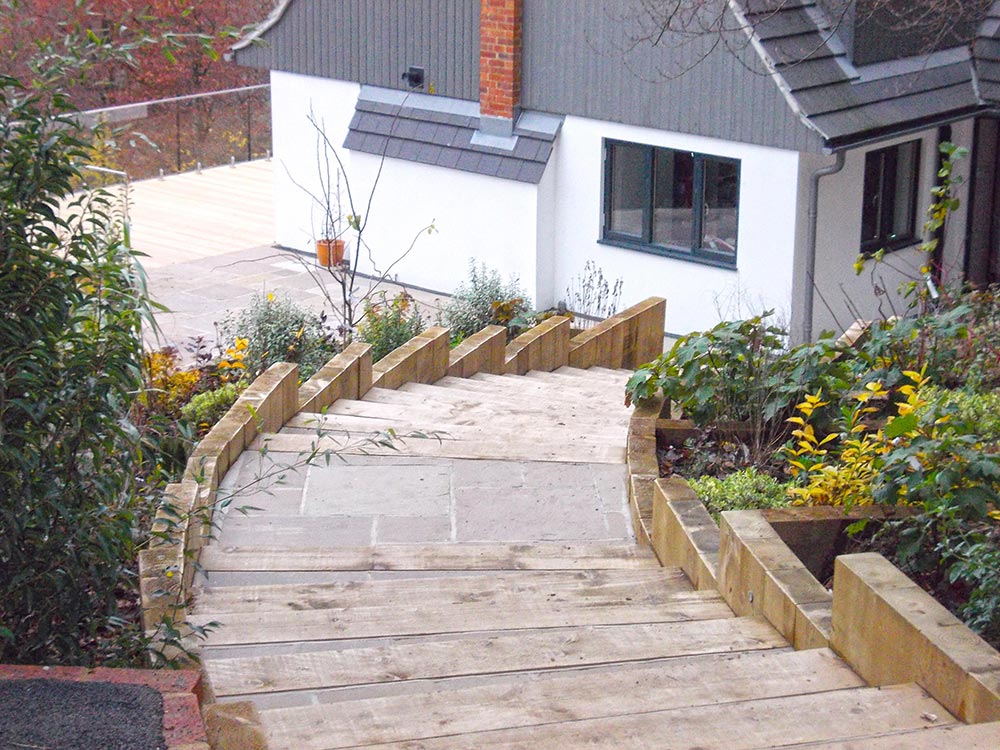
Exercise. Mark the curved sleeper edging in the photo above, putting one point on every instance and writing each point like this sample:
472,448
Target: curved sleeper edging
888,629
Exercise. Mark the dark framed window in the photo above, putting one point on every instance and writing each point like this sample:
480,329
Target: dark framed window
889,211
676,203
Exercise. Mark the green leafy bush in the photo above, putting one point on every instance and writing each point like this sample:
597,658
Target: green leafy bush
485,299
278,330
388,324
974,562
979,411
743,372
70,354
207,408
747,489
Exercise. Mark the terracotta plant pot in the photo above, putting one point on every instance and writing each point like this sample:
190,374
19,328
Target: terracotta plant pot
329,252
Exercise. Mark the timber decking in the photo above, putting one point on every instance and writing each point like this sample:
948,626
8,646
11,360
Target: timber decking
515,644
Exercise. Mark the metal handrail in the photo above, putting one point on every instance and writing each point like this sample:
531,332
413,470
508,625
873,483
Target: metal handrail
177,99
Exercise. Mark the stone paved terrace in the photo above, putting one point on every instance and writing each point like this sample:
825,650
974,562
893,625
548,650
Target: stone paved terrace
208,239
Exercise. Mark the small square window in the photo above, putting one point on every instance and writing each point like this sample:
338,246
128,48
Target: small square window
888,214
676,203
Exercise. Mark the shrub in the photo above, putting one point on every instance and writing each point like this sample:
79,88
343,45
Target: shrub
979,411
921,456
70,353
167,386
741,371
207,408
278,330
748,489
389,324
483,300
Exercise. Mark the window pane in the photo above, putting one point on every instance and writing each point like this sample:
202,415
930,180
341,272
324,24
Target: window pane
904,191
871,209
673,192
628,188
721,202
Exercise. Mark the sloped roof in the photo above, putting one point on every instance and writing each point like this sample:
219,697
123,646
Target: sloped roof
848,104
445,132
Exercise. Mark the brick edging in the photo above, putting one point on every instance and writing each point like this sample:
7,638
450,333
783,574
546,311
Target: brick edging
183,728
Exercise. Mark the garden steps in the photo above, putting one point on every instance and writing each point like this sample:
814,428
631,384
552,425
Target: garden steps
476,634
577,417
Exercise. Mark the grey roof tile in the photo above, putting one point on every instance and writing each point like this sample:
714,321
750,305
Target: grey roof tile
782,23
429,153
374,144
809,73
394,148
449,158
531,172
444,137
408,150
528,148
405,129
489,165
468,161
424,132
509,169
354,140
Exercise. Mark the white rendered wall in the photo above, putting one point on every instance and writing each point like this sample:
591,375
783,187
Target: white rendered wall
298,218
698,295
841,294
494,221
475,217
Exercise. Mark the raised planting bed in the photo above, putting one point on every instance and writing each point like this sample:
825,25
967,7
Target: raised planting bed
884,625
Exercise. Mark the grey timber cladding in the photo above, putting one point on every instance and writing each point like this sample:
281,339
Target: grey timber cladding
579,60
443,132
373,42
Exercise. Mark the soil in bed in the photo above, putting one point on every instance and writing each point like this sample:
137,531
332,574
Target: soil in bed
61,715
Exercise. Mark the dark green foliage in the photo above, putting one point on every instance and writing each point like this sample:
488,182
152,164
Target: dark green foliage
389,324
741,371
70,353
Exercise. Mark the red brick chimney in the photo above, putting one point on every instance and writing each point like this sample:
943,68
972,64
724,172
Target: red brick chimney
499,64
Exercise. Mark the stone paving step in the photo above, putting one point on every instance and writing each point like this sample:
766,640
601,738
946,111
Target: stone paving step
769,722
551,698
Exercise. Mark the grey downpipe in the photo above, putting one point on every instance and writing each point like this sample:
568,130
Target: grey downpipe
807,314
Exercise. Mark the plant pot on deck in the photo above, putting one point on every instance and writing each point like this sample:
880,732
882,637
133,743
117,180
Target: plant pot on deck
329,252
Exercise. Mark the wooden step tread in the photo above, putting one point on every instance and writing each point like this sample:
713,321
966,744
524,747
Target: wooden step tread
535,556
460,426
948,737
743,725
414,616
564,696
455,411
615,376
454,656
542,588
525,448
457,400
